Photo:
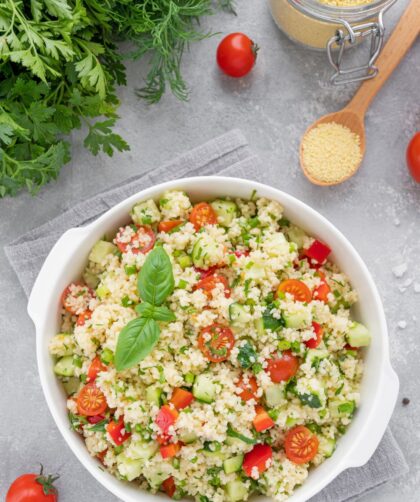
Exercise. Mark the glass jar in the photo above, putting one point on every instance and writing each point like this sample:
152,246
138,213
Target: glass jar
334,28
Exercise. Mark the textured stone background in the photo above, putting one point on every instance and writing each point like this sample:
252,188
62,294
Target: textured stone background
378,210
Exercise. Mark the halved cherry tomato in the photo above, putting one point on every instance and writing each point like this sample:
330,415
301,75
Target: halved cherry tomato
32,488
117,431
95,419
166,417
202,214
206,273
260,457
321,292
91,401
282,368
318,251
170,450
83,317
413,157
301,445
314,342
249,389
76,298
163,438
209,283
298,289
169,486
216,342
262,420
167,226
181,398
96,366
142,240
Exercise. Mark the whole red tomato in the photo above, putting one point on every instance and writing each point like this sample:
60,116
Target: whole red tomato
32,488
413,156
236,54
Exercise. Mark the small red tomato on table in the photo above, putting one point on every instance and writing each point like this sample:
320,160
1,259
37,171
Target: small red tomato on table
236,55
413,157
33,488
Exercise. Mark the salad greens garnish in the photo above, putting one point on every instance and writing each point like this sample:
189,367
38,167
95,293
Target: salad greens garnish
155,283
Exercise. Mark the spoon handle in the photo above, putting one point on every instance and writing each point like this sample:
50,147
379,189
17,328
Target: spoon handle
400,40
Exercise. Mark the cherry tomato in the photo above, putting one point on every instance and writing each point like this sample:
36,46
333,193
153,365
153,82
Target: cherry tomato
216,342
317,251
321,292
236,55
210,282
238,253
301,445
262,420
166,417
282,368
169,486
117,431
181,398
319,332
76,298
260,457
167,226
249,389
32,488
91,401
298,289
83,317
96,366
170,450
206,273
413,157
135,238
202,214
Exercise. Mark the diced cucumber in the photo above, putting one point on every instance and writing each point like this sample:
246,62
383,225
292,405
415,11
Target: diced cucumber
213,454
230,441
142,449
226,211
71,386
254,271
311,393
145,213
206,252
233,464
297,320
102,291
129,468
276,245
326,446
62,345
296,235
291,422
274,395
314,356
184,261
358,335
153,395
339,409
91,279
236,490
188,437
204,389
238,314
65,366
101,250
259,326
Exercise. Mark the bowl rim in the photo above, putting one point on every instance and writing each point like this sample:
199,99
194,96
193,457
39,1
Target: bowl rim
38,311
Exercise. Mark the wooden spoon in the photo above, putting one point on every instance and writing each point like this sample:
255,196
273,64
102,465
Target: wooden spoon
353,115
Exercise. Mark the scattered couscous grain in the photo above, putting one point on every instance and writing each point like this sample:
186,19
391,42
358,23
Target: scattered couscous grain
331,152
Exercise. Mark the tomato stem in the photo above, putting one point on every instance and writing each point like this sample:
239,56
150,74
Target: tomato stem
255,48
47,482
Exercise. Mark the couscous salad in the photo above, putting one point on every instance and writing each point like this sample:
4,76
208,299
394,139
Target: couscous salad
209,351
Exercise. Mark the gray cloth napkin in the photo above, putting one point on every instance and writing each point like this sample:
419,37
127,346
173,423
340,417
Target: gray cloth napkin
227,155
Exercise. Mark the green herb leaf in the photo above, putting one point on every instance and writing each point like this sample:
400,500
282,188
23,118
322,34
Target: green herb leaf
156,279
311,400
135,342
233,434
270,322
99,427
161,313
247,355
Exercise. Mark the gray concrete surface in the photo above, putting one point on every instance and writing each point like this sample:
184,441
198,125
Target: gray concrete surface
378,210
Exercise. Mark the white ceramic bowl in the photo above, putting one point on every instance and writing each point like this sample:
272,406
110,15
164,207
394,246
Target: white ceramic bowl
380,384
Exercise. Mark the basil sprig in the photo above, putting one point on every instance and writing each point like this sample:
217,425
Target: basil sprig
155,283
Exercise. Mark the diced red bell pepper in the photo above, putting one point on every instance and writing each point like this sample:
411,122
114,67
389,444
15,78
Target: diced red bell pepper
238,253
206,273
318,251
262,420
181,398
170,450
260,457
166,417
314,342
101,455
96,366
321,292
163,438
95,419
117,431
83,317
169,487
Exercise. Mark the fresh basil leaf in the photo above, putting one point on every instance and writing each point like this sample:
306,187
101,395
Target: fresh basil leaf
161,313
136,340
156,279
